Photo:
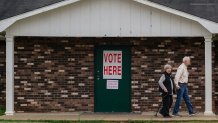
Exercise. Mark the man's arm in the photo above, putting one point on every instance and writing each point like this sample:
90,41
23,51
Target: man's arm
178,76
162,79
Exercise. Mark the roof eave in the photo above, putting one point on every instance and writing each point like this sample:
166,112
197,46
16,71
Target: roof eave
211,26
4,24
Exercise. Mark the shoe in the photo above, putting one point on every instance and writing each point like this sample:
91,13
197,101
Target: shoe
168,116
176,115
162,114
192,114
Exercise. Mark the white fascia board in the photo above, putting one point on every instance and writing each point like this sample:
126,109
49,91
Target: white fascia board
4,24
211,26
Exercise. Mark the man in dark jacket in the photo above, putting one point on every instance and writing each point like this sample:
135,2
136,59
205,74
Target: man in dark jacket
166,85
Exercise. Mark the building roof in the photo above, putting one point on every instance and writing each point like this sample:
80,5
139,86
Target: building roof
207,9
10,8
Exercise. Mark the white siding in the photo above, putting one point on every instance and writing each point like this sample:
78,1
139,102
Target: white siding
107,18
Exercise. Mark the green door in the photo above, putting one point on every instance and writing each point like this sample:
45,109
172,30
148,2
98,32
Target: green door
112,79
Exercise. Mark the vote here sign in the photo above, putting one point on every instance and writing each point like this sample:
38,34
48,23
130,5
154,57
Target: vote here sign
112,64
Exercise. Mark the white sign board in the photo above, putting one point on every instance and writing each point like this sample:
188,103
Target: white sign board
112,64
112,84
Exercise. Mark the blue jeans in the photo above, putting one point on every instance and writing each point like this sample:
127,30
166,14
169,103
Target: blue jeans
182,93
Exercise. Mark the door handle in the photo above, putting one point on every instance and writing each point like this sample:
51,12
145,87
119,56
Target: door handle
98,76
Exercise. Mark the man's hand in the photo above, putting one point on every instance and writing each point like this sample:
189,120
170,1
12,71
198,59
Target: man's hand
177,87
165,90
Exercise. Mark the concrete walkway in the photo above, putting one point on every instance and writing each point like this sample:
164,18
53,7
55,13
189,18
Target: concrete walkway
101,116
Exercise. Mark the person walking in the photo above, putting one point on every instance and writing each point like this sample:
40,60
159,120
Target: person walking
166,87
181,83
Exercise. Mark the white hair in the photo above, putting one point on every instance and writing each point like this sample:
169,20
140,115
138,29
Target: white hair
167,66
186,58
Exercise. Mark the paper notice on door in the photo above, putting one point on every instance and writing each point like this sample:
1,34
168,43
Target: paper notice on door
112,84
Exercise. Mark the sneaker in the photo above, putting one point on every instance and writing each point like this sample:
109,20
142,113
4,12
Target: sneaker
176,115
162,114
192,114
168,116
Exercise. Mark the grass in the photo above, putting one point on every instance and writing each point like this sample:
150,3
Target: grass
174,122
51,121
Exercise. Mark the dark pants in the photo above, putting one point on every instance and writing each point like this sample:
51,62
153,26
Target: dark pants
183,93
167,103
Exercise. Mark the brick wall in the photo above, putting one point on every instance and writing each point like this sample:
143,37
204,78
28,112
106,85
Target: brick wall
149,57
215,77
53,75
2,73
57,74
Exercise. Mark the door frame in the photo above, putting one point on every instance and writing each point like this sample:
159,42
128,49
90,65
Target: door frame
130,72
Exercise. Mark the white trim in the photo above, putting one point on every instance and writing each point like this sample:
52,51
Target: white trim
9,113
209,113
4,24
9,75
211,26
208,76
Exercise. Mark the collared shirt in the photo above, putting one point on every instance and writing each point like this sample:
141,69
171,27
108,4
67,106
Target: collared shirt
162,79
181,75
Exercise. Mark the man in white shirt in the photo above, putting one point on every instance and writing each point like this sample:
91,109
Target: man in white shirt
181,82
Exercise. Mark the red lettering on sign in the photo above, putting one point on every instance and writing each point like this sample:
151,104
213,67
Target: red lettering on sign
112,70
110,58
105,70
112,64
115,58
105,57
119,58
119,70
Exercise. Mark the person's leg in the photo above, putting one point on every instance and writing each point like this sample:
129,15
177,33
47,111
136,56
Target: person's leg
187,100
164,111
170,101
168,105
178,100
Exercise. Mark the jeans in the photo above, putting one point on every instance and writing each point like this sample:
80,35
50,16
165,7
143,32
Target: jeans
167,103
182,93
